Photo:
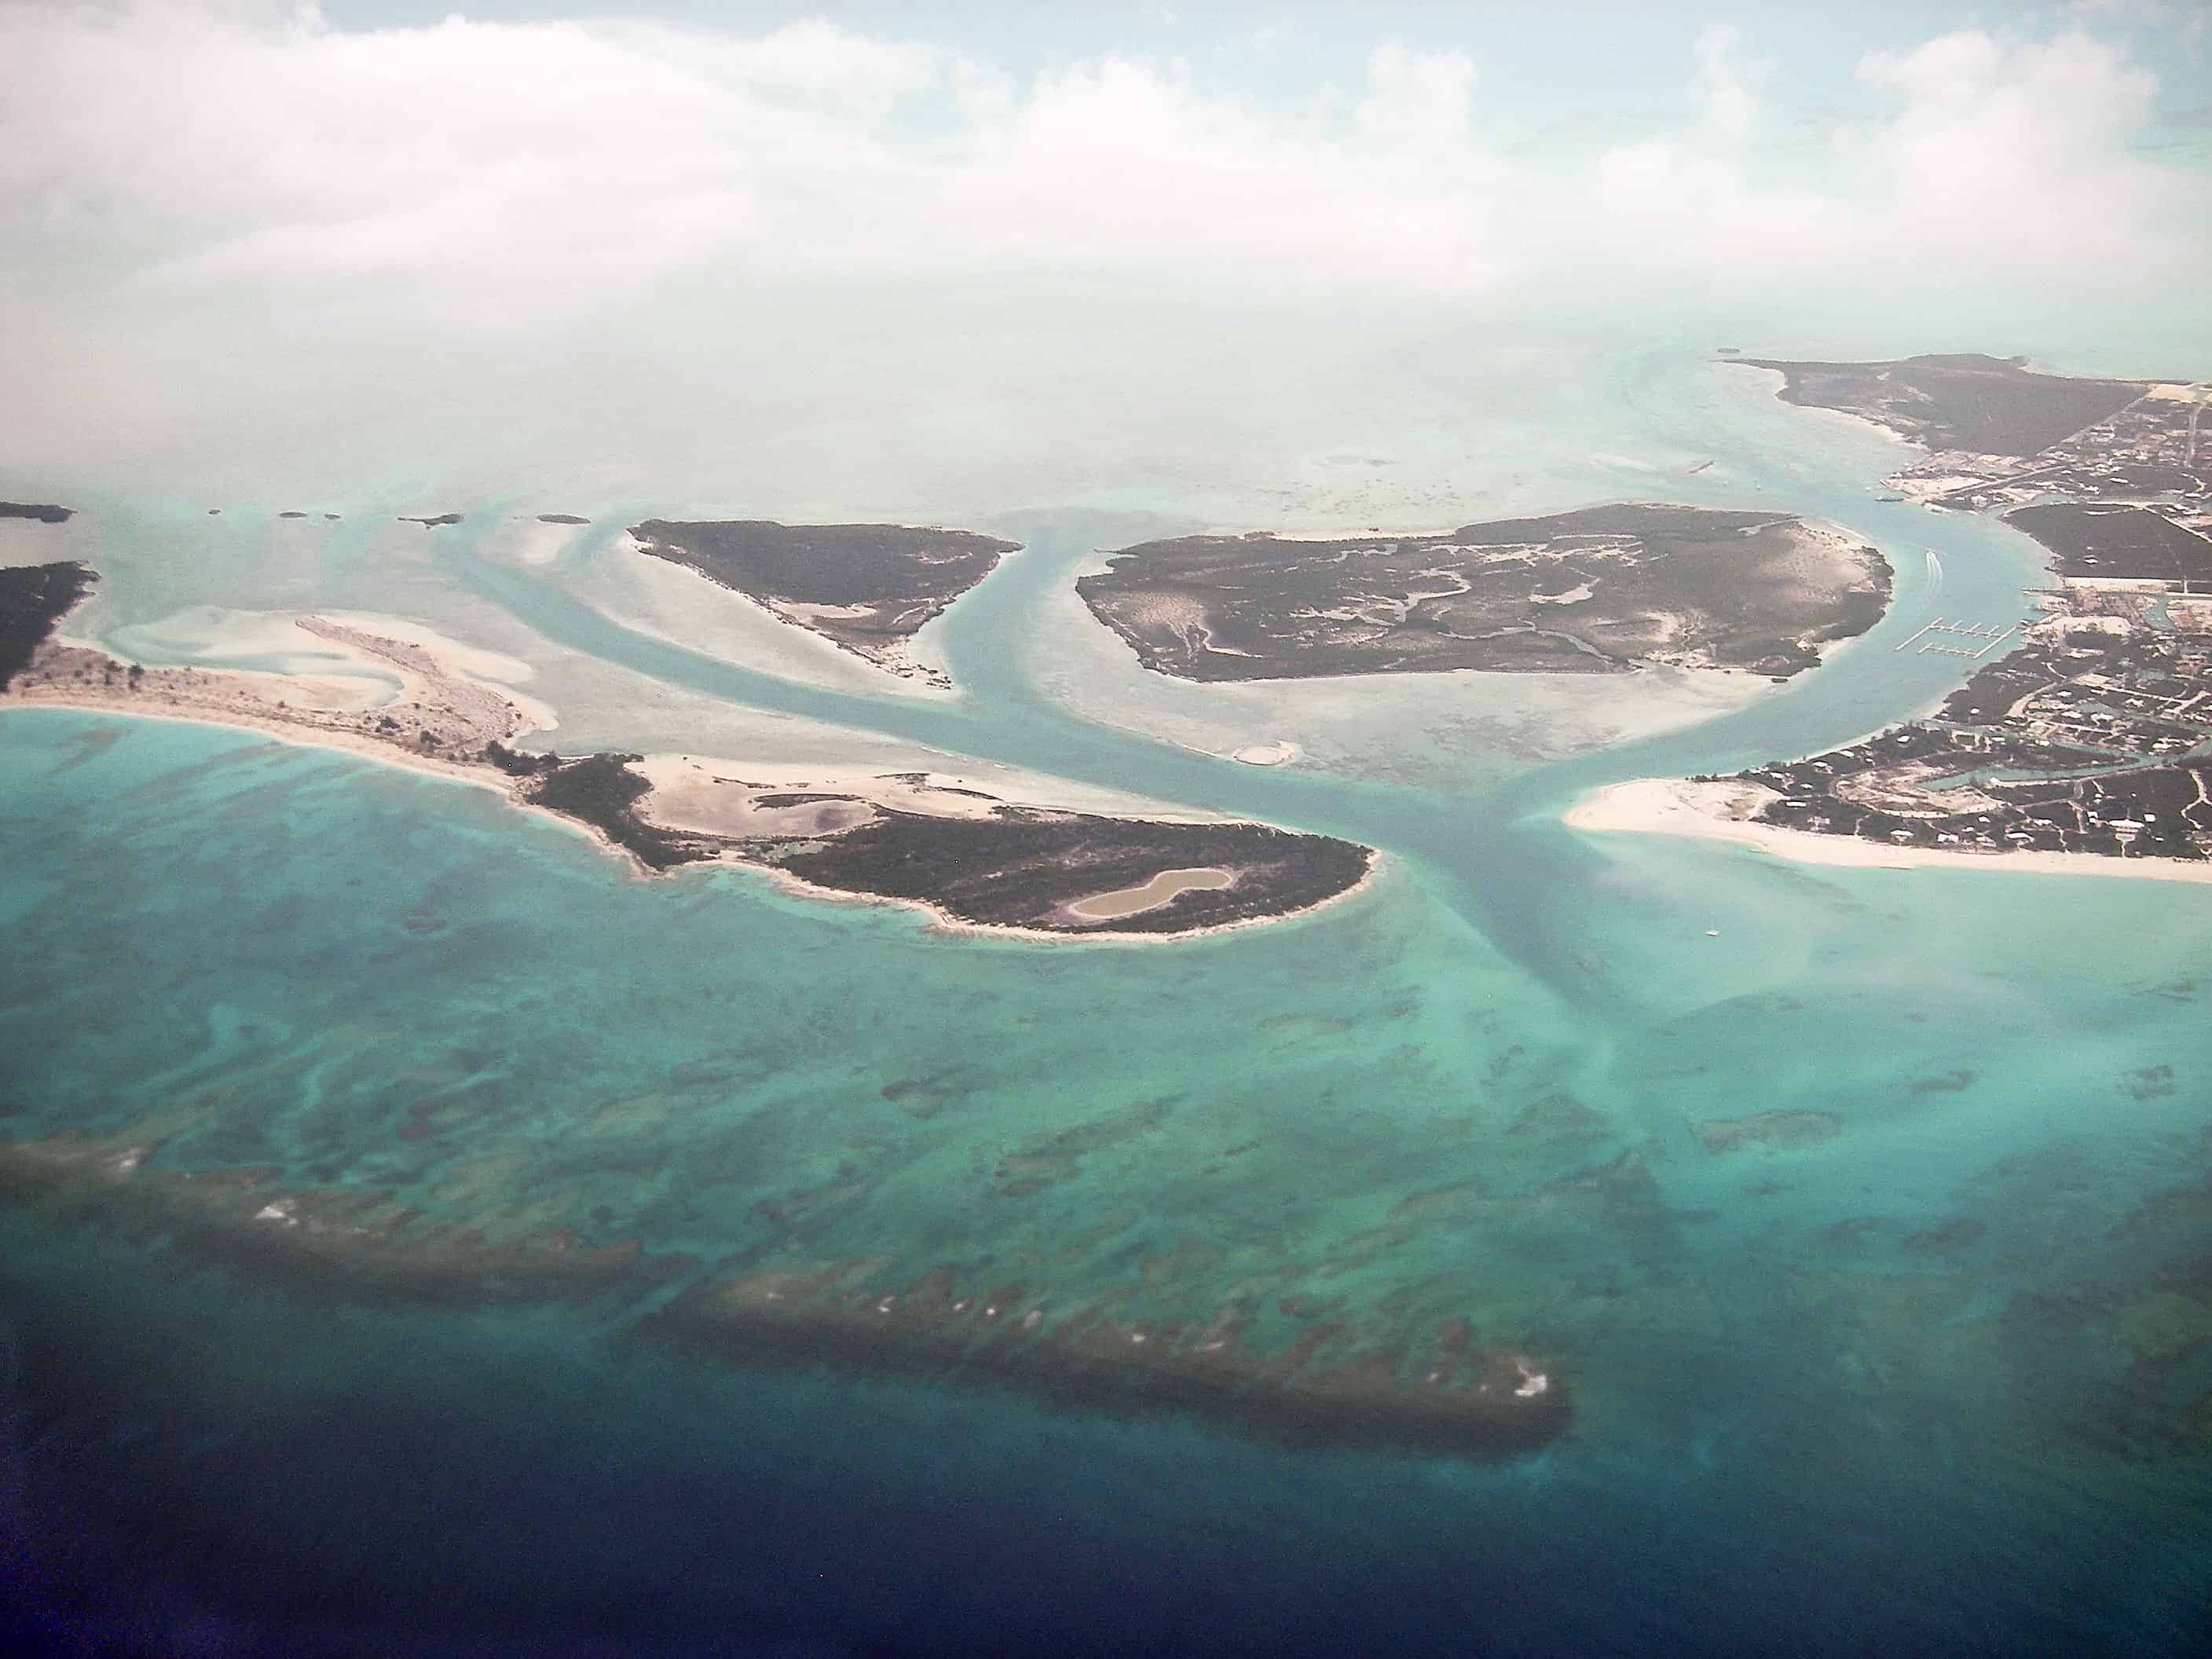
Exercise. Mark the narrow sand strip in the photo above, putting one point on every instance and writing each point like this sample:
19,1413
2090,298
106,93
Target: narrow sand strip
1722,811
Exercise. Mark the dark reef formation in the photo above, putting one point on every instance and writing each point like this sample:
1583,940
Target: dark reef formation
358,1242
1449,1397
1596,590
32,598
42,511
1338,1379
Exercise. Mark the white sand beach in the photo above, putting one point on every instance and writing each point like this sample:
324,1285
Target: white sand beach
1721,812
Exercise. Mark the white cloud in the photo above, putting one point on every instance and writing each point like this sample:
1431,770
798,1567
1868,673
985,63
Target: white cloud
501,174
2022,148
1726,82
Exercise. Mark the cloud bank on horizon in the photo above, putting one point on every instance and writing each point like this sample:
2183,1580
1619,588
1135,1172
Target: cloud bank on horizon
487,176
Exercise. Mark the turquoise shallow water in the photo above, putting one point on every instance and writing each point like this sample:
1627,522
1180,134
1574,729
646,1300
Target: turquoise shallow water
1932,1374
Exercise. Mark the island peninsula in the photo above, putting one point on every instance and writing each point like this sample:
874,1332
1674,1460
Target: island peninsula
1601,589
867,588
970,859
2092,732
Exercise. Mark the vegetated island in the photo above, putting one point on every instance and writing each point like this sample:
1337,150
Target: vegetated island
867,588
431,523
2091,733
1601,589
42,511
969,858
561,517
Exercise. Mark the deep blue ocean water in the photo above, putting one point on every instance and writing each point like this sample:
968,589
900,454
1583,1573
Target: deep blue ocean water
1937,1379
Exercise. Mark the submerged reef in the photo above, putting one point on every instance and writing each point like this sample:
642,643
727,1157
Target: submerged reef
1346,1380
1336,1383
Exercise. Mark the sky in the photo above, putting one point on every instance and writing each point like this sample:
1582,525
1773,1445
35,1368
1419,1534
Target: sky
209,212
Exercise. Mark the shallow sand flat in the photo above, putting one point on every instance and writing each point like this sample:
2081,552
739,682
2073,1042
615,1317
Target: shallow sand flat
494,669
1720,811
527,541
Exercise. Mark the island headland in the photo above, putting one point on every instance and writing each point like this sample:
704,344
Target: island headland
967,858
1601,589
2087,731
34,599
42,511
868,588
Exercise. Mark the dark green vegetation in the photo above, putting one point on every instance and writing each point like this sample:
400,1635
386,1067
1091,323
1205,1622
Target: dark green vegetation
880,583
601,790
1019,868
432,523
1985,405
2120,542
32,598
1595,591
44,512
561,517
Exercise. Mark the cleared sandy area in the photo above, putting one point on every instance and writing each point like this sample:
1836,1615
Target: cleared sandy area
1265,754
1162,889
1721,812
719,796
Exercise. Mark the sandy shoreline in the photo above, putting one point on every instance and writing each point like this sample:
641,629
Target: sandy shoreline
1721,811
150,706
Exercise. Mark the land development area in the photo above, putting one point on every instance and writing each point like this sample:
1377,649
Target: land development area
868,588
2091,732
1602,590
968,857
